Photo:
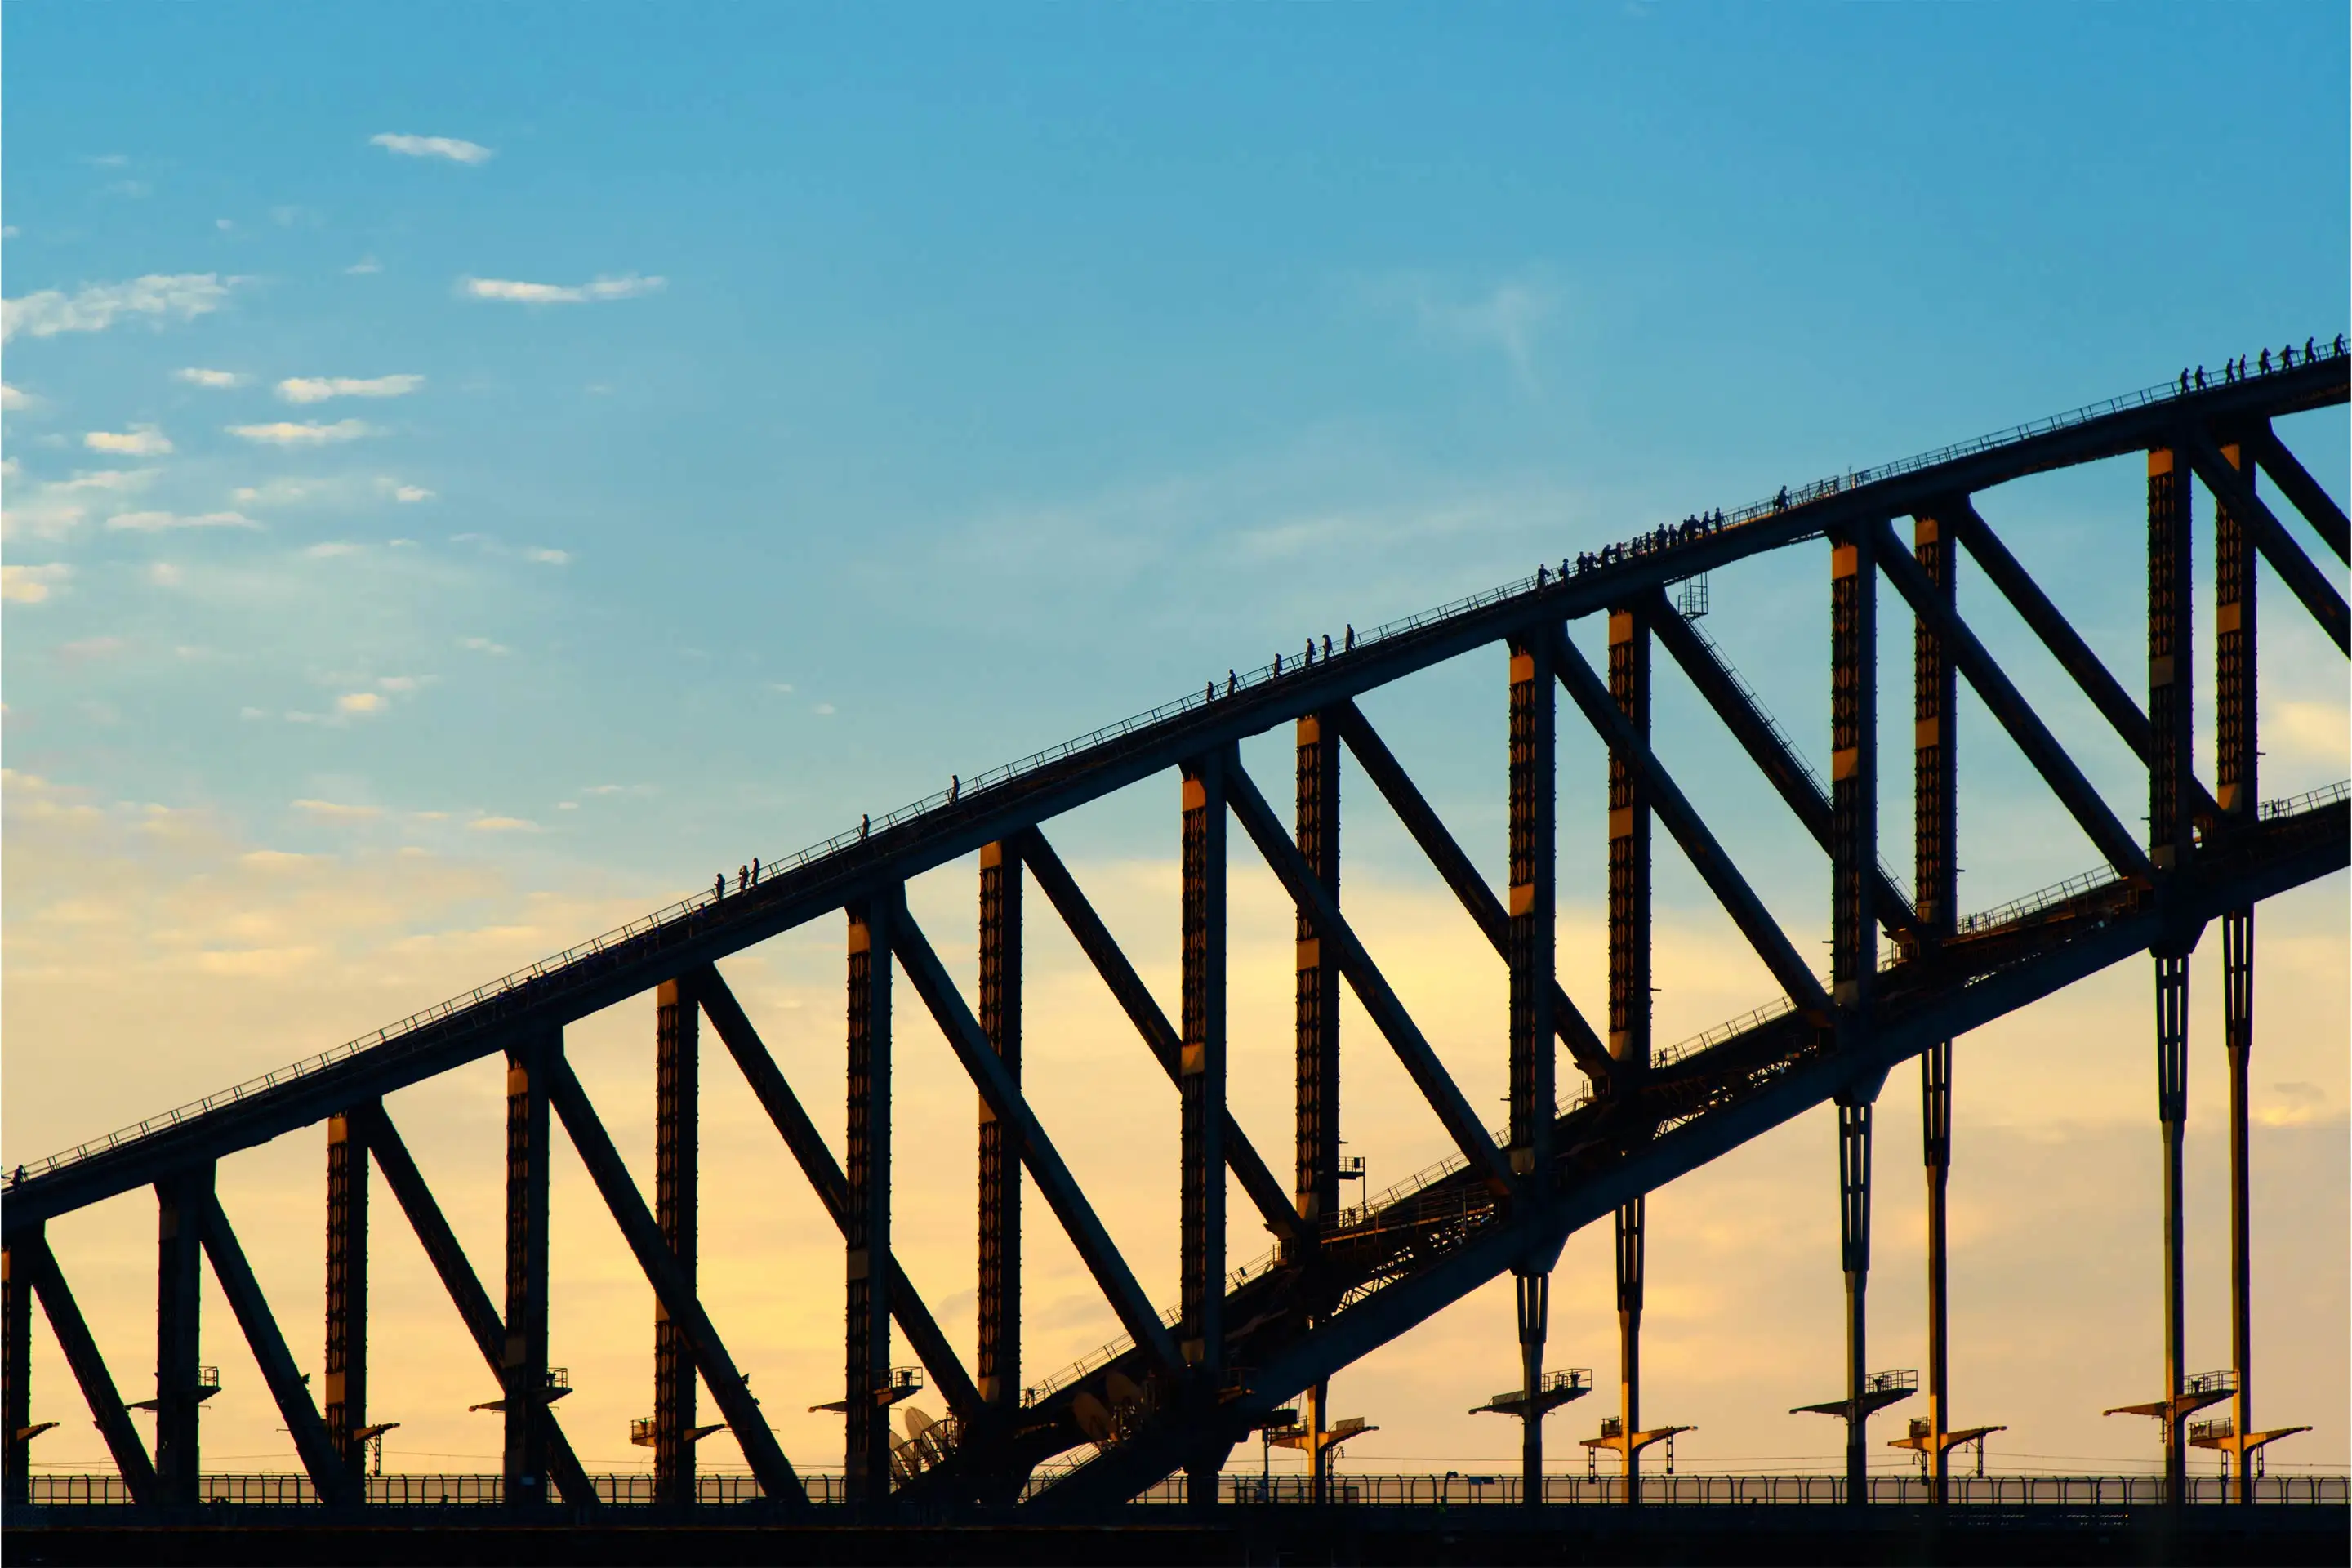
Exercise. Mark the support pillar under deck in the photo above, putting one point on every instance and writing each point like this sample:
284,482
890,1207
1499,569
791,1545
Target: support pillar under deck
347,1287
1854,942
523,1367
678,1061
182,1201
1631,1246
1628,990
2172,842
17,1372
1934,834
1315,1022
2236,704
1531,944
1853,1245
999,1152
1202,1082
867,1213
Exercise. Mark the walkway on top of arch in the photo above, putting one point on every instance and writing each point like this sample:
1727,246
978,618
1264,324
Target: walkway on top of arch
950,823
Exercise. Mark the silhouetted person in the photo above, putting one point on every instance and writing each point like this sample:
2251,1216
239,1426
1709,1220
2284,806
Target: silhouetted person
2286,355
1232,681
1277,664
743,878
2263,363
1327,645
865,824
2310,351
755,870
2339,345
1540,573
1211,695
2200,378
719,886
2184,381
955,785
1352,636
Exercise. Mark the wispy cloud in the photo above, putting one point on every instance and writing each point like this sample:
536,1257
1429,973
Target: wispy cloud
409,494
364,265
360,702
218,380
483,644
549,557
12,399
453,148
31,585
164,521
83,648
157,298
287,433
318,388
139,441
503,825
627,287
334,811
1507,317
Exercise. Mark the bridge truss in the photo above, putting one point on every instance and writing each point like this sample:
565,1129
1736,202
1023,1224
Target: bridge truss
1242,1345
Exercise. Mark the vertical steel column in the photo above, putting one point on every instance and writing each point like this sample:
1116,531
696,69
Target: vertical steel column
1316,1188
677,1178
1316,1016
1853,1248
2235,692
17,1369
999,1152
867,1230
2171,838
181,1201
347,1287
1201,1080
1630,1222
1935,815
1534,805
523,1368
1629,987
1854,940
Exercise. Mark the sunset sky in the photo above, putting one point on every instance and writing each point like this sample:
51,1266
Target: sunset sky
471,473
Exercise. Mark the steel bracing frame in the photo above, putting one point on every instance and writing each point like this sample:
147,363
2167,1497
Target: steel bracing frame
1343,1281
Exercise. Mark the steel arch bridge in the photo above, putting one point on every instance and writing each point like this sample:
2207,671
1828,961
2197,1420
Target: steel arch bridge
1243,1344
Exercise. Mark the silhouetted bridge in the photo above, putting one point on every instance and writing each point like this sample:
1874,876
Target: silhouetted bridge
1251,1349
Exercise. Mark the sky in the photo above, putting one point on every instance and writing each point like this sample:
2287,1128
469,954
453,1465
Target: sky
474,472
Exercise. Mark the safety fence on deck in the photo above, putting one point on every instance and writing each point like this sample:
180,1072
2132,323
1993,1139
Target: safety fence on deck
1452,1490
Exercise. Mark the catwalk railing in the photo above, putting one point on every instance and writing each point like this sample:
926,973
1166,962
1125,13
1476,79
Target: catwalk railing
1453,1489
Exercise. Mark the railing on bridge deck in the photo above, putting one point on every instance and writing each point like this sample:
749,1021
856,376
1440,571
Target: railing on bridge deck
1451,1490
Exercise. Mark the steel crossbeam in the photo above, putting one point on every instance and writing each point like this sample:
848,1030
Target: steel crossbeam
1055,1183
2319,508
729,1388
2306,581
2015,715
1697,839
337,1483
1371,988
824,1175
1765,748
1102,950
458,1277
88,1367
1446,857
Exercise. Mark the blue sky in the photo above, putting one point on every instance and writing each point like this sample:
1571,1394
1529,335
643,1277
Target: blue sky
633,438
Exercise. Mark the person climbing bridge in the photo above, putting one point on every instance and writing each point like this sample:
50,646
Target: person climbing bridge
1351,637
865,824
955,786
719,886
1232,681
